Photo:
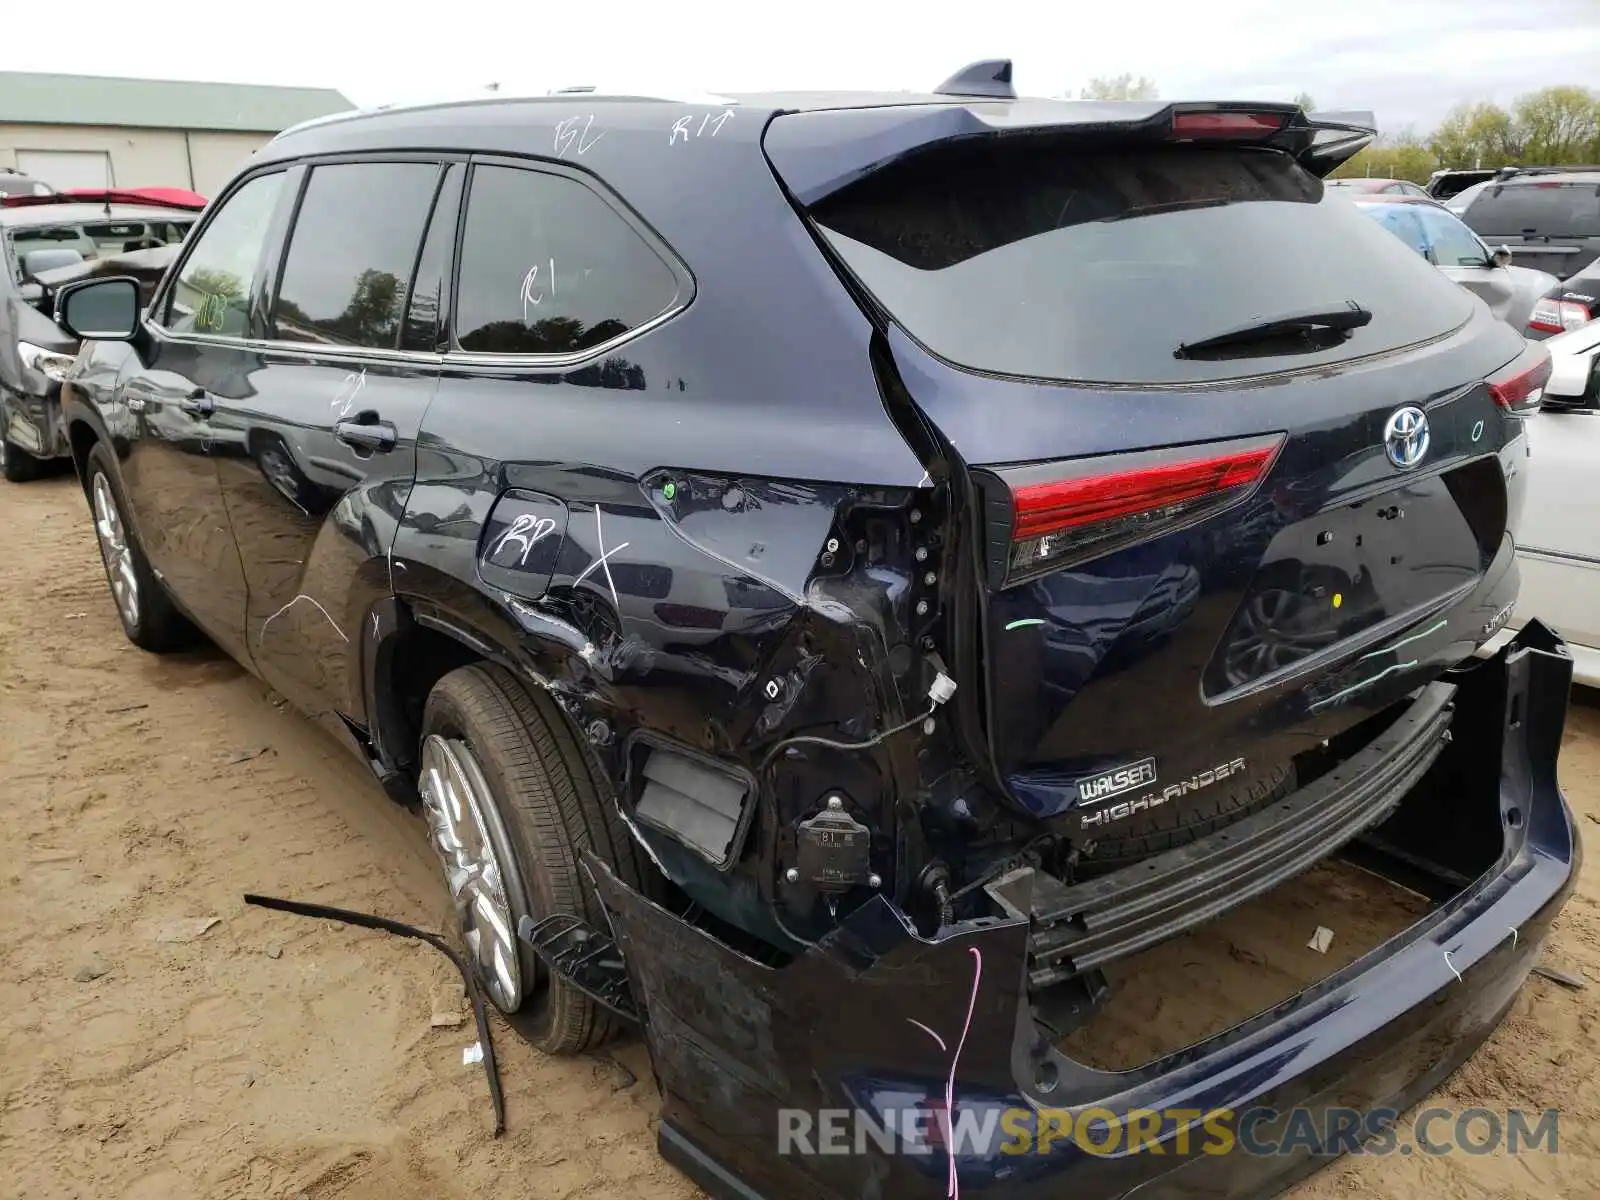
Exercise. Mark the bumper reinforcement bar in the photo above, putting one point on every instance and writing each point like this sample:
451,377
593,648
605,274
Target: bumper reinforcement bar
1082,927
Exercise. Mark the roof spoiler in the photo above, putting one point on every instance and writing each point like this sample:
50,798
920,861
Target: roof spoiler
819,152
1336,137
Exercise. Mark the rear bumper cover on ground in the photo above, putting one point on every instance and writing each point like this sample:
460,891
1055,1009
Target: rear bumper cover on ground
880,1022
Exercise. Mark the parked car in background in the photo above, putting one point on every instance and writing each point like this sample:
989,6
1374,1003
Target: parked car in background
1550,218
950,709
1447,184
1380,187
1568,304
1462,200
1433,231
1558,547
15,183
46,241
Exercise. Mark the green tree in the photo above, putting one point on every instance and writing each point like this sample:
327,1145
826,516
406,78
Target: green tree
1559,124
1120,87
1305,101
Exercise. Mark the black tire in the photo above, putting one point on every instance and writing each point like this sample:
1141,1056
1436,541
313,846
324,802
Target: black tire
159,627
1185,823
543,785
18,466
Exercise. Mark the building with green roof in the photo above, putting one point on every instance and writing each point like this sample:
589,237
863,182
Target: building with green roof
98,131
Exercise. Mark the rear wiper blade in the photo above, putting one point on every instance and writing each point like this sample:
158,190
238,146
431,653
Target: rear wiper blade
1343,319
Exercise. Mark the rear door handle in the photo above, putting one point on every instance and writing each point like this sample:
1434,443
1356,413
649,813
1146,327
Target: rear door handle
366,435
198,403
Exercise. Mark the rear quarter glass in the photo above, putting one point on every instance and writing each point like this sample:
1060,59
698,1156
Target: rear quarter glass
1052,263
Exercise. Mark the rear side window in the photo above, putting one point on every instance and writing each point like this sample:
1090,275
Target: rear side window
1053,262
212,292
548,267
352,252
1545,208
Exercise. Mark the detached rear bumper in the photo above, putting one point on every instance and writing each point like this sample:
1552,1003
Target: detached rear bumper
885,1025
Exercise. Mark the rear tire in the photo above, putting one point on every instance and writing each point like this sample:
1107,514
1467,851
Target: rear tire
148,615
540,805
18,466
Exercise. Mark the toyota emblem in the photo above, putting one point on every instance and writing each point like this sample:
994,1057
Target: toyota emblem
1405,436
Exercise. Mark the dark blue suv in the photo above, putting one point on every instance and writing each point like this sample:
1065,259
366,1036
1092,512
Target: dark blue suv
837,573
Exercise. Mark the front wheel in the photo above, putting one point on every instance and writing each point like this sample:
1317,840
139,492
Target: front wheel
510,800
149,618
18,466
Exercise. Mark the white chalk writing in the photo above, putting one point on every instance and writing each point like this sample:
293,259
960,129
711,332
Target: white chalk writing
532,294
527,531
350,387
575,134
685,127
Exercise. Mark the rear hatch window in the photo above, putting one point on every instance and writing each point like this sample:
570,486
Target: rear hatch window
1060,263
1542,209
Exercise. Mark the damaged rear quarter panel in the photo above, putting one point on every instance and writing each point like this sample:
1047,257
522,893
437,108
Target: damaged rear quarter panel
687,616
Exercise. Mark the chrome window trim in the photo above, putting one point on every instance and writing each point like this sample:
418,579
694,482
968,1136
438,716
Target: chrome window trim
460,358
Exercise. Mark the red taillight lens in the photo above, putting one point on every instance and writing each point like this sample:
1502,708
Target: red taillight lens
1519,385
1225,124
1064,513
1557,316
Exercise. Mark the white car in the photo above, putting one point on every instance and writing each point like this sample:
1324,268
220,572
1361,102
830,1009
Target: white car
1558,543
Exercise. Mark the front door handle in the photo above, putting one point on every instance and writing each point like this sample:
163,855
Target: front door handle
198,403
367,435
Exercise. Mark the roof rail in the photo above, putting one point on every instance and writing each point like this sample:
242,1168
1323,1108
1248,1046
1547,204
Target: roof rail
990,78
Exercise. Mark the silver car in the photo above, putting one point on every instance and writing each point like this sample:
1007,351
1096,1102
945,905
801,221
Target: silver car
1445,240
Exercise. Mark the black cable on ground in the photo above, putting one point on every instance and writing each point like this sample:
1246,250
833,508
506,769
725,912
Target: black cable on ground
480,1012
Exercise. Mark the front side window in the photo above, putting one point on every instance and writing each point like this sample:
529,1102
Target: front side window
1403,222
351,253
548,267
212,292
1451,242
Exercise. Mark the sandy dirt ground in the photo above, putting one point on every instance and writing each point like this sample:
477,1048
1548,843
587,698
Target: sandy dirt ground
147,1052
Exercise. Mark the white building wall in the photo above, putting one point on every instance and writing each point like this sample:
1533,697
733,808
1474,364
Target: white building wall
199,161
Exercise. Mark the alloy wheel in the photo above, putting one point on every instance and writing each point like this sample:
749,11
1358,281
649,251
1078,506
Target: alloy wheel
465,831
116,550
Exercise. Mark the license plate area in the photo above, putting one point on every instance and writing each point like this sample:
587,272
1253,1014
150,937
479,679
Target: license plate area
1334,575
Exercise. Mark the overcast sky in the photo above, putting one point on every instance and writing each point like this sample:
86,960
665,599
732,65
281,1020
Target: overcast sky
1408,60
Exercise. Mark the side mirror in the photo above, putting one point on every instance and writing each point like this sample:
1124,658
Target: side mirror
1502,257
99,309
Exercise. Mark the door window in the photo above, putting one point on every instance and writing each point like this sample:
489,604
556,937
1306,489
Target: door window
212,292
424,318
1402,221
352,252
548,267
1451,243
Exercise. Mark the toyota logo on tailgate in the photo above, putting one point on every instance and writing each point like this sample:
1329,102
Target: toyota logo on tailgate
1405,436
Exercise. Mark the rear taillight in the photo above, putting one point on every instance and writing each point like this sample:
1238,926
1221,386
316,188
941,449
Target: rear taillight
1519,385
1226,124
1062,513
1557,316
